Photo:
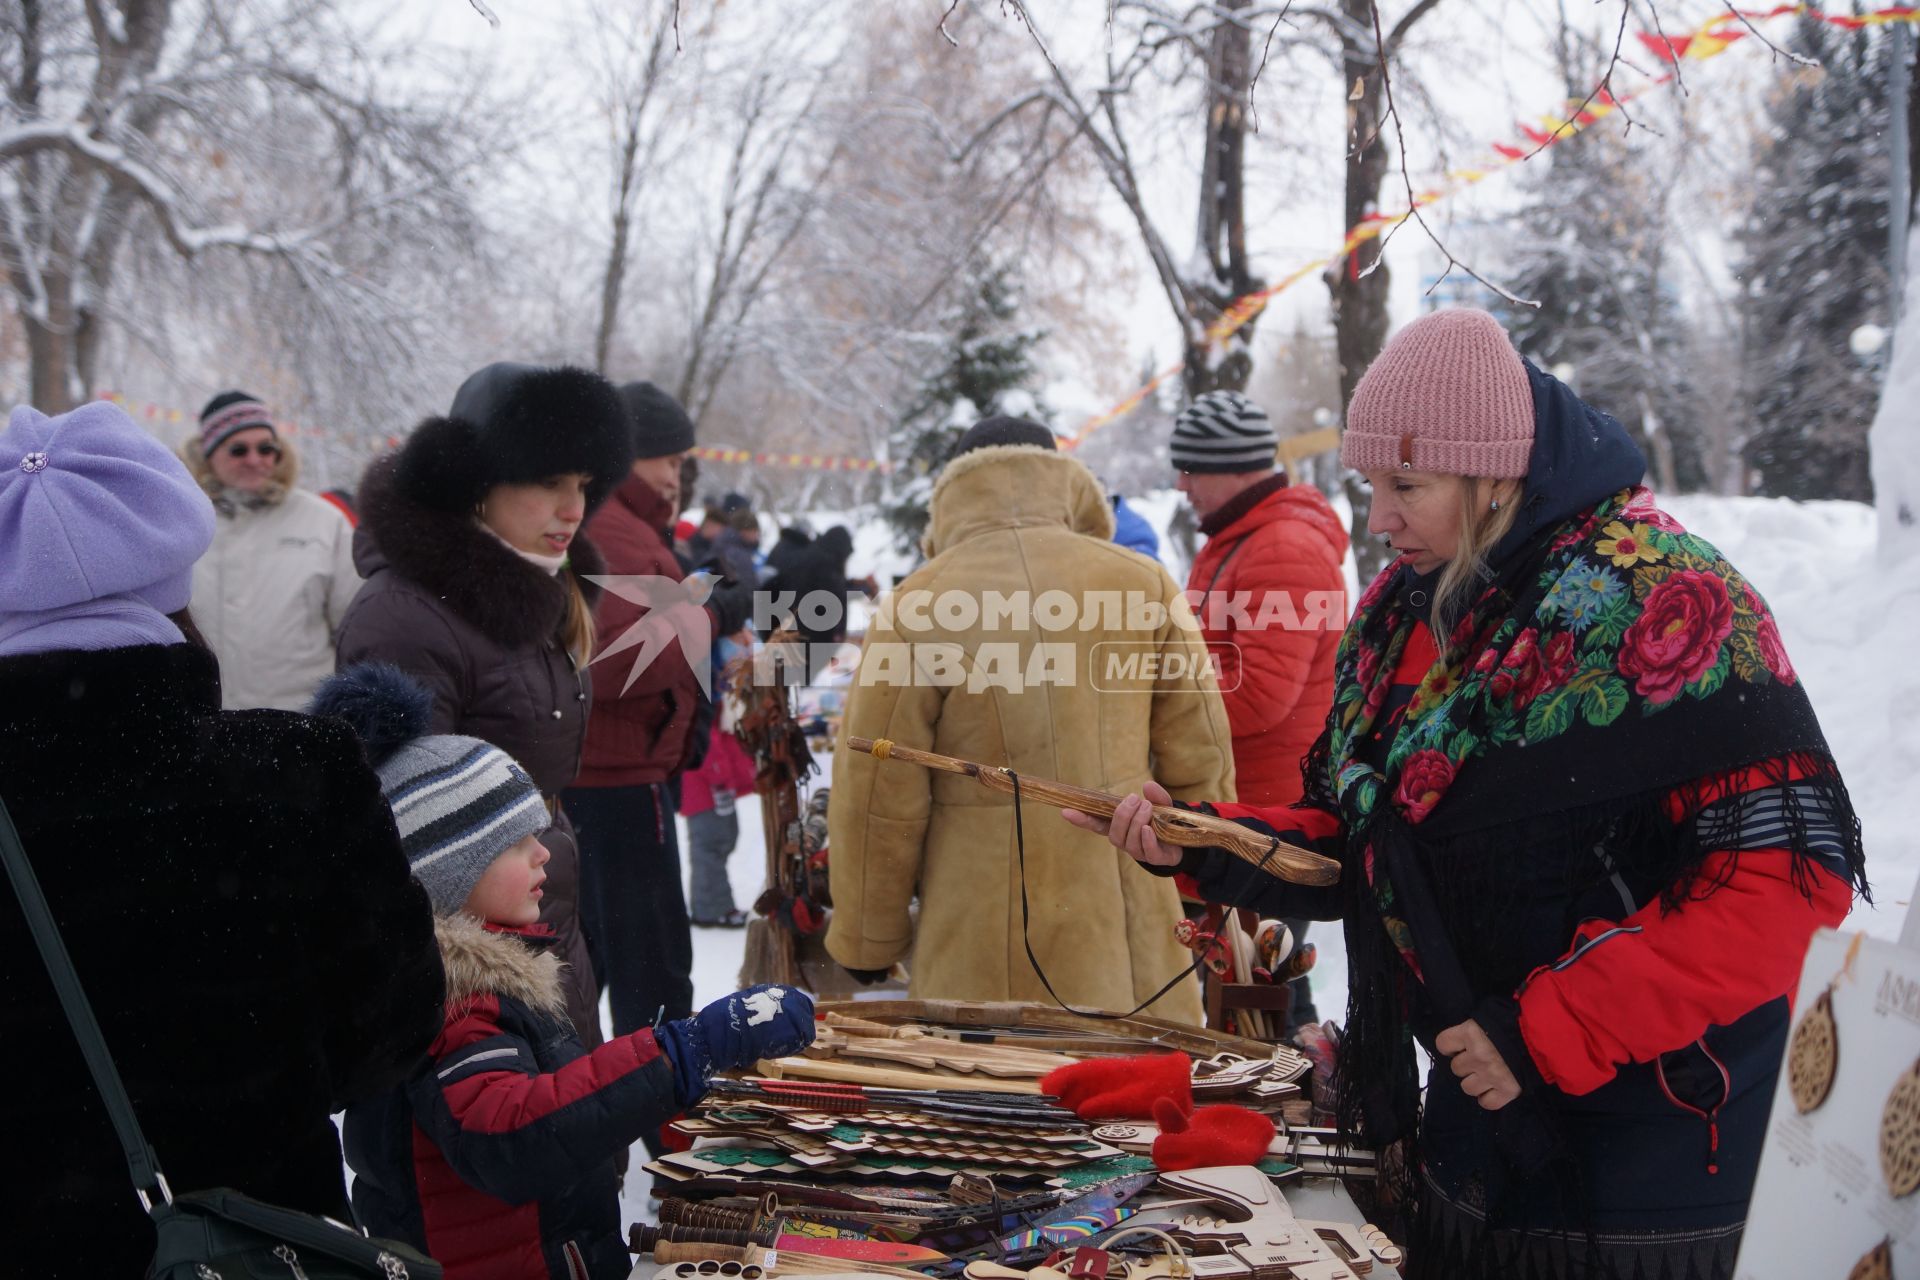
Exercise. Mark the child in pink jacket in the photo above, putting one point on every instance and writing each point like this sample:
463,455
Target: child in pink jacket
708,796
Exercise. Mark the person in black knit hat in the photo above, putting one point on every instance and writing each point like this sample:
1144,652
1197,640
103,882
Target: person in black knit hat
479,587
650,723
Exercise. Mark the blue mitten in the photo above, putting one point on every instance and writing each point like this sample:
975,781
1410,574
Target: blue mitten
735,1031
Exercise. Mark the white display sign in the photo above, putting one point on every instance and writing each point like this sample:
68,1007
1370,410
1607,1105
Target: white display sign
1839,1186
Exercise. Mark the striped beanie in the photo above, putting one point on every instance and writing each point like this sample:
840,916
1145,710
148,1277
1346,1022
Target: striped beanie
459,802
1223,431
228,413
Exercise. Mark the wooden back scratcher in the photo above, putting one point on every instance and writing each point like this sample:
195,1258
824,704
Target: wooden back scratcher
1172,826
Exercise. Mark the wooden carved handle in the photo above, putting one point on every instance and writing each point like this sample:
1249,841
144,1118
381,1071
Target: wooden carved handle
1173,826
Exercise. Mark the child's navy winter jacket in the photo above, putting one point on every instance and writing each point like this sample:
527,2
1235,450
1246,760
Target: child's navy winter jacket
497,1157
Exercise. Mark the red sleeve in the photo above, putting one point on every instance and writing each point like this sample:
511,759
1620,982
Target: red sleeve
1631,990
517,1132
1314,823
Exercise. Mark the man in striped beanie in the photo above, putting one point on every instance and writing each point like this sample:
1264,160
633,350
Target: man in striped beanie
1270,595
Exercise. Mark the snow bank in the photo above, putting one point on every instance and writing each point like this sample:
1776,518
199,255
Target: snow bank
1847,621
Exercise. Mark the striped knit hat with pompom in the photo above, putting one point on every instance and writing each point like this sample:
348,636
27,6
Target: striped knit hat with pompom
459,802
1223,432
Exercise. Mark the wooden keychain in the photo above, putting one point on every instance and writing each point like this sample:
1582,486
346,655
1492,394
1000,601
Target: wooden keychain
1813,1054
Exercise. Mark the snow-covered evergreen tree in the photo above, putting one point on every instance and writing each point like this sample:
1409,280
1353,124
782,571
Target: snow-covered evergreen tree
1595,250
1895,437
1815,266
987,369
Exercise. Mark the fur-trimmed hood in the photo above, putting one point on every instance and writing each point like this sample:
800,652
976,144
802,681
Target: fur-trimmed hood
507,599
480,962
1014,486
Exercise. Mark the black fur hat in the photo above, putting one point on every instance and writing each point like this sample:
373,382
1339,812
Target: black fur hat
517,423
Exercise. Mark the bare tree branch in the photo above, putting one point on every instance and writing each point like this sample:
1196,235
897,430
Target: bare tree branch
1413,202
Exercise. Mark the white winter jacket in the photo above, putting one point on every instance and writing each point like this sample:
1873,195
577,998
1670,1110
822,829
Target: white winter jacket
269,594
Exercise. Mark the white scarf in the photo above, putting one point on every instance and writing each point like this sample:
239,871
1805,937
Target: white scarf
550,565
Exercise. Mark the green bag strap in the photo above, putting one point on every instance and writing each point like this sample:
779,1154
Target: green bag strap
147,1178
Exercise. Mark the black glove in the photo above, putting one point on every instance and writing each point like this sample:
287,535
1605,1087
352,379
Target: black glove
735,1031
868,977
731,604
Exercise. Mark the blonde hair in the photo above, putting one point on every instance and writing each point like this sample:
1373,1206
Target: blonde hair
1463,577
578,627
286,468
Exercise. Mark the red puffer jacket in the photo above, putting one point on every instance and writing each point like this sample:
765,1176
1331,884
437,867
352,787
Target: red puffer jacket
1268,591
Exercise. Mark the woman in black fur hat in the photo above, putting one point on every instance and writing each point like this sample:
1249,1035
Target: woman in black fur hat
476,586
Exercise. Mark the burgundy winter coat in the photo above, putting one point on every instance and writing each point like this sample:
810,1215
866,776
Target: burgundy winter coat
482,629
639,734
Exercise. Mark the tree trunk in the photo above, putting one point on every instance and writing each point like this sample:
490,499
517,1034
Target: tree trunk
1360,299
1223,218
616,273
51,374
53,349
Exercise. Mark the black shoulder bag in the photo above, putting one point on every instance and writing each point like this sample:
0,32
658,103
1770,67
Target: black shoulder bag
204,1235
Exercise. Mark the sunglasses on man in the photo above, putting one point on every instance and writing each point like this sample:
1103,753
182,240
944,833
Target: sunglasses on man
266,449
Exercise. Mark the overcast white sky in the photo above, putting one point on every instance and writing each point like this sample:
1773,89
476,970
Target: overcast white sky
1483,64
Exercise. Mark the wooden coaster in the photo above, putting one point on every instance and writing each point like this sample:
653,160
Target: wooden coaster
1900,1135
1877,1264
1813,1056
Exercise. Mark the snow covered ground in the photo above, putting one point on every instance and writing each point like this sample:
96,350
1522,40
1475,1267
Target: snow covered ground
1849,625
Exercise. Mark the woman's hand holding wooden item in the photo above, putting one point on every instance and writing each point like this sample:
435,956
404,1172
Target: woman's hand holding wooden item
1131,827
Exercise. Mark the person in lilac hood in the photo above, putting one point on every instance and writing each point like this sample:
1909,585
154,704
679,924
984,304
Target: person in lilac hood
229,884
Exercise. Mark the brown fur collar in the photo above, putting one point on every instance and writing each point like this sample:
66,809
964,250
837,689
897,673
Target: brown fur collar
480,962
508,600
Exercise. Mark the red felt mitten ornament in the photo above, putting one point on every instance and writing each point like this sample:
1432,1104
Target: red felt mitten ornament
1122,1088
1210,1137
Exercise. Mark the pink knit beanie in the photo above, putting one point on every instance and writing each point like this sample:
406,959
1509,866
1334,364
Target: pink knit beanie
1448,394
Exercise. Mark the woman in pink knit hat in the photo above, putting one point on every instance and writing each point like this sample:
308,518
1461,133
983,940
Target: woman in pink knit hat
1587,821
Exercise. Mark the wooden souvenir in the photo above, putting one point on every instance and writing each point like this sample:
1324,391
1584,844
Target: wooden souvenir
808,1122
1319,1153
1173,826
932,1053
1900,1135
1813,1055
1138,1136
1259,1237
1204,943
782,761
1227,1075
886,1077
1875,1264
1382,1245
1345,1242
1135,1035
994,1271
964,1101
773,1262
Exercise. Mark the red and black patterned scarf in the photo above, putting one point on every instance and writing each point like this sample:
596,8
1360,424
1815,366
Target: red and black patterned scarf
1615,660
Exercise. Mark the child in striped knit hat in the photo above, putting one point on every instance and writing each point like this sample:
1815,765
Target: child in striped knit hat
497,1157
